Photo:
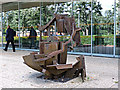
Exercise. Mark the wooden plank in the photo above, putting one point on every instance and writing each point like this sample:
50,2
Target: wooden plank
60,25
29,60
48,66
63,56
76,68
41,48
64,66
49,49
55,71
61,66
53,46
70,73
38,56
41,28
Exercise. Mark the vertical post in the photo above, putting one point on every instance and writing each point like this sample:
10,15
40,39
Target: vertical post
79,18
55,21
40,23
40,36
55,7
40,13
2,23
7,18
19,21
72,8
2,26
114,27
55,28
91,27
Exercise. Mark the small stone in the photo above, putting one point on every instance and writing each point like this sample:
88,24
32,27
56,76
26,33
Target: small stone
4,65
72,82
31,84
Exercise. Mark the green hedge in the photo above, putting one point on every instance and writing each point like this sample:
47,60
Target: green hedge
108,39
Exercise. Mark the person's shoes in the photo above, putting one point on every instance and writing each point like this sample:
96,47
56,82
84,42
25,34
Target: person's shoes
4,49
13,51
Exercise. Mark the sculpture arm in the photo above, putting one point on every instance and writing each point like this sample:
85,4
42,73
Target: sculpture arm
41,28
58,51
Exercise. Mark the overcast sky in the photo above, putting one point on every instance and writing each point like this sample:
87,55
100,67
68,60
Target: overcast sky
106,4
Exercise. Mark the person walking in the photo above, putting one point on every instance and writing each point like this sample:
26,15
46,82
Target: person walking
10,33
32,36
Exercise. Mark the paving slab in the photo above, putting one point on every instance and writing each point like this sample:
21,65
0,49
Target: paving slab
101,73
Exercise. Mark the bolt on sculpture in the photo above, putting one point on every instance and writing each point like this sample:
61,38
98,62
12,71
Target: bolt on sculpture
52,57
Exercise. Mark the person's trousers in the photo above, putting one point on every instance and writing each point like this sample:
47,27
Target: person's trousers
32,43
13,46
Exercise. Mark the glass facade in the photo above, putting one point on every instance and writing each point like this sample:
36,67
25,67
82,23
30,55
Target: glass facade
117,49
83,21
99,23
103,28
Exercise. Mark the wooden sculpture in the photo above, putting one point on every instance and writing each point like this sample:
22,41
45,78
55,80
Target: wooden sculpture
52,57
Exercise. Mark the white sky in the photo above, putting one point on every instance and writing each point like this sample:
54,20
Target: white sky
106,4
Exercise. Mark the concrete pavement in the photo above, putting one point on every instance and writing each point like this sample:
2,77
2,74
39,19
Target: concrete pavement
101,73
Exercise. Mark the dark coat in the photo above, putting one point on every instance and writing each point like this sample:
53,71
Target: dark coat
33,34
10,34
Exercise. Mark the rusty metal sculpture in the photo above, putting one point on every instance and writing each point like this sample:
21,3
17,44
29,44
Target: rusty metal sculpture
52,57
